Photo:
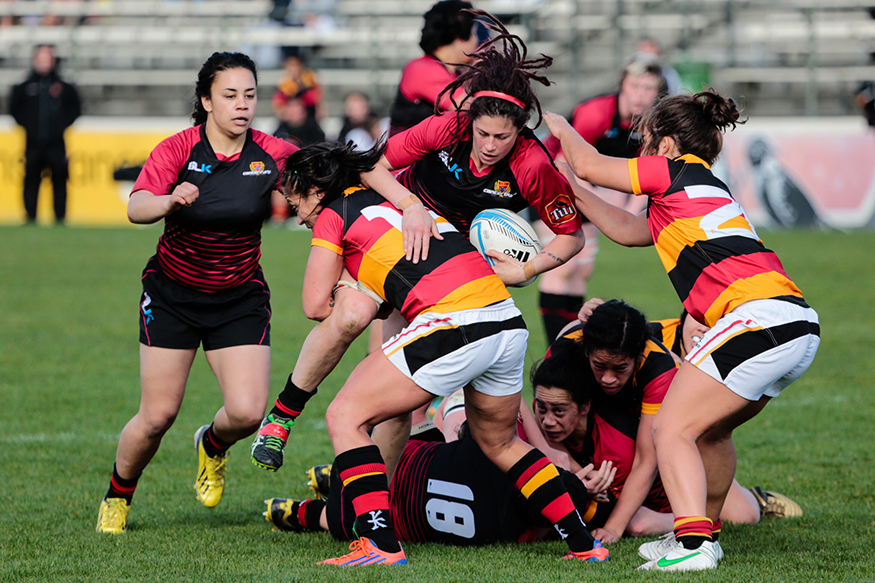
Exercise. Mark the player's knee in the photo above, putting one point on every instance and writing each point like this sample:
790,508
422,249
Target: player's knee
353,313
246,421
156,423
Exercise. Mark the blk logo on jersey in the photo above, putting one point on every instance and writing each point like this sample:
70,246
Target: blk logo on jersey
195,167
560,209
454,168
256,169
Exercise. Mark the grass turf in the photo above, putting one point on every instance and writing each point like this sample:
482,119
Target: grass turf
69,383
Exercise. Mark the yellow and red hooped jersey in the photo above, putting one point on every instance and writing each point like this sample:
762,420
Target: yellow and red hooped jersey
365,230
711,252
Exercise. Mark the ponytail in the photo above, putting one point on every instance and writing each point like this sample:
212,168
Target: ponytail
695,122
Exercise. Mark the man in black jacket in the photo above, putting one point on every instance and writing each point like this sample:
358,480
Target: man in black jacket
45,106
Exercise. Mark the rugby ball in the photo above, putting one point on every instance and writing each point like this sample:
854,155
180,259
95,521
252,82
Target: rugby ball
507,232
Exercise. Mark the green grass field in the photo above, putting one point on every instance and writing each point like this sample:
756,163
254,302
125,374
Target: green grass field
69,383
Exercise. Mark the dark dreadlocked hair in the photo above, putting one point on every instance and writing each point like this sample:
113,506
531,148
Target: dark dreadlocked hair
330,167
500,64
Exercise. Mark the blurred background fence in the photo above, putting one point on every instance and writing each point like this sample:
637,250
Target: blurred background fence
135,62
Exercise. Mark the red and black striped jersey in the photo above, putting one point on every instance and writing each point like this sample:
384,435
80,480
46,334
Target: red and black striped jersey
451,493
442,174
365,230
214,244
712,253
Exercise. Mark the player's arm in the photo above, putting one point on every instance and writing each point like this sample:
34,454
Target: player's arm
417,224
145,207
558,251
324,267
617,224
585,160
639,482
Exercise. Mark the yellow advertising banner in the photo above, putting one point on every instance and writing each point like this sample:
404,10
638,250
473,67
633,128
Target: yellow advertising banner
94,197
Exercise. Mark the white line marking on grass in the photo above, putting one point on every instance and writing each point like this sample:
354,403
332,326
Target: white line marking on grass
54,437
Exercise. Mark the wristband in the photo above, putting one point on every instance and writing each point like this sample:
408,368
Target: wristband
529,270
408,201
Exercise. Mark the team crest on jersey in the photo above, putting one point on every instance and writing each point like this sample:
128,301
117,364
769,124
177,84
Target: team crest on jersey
501,189
195,167
256,169
560,209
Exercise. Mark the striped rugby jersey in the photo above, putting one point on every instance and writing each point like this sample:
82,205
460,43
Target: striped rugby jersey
711,252
365,229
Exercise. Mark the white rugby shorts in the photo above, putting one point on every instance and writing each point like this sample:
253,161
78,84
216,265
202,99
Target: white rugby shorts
759,348
483,347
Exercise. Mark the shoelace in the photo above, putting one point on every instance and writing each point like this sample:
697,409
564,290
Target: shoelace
274,443
215,470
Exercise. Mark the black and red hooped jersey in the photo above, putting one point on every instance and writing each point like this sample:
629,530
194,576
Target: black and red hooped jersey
713,255
365,230
215,243
443,176
451,493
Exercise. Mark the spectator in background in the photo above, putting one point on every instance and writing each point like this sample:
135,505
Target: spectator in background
297,126
45,105
865,99
361,125
447,40
300,128
298,81
672,78
606,123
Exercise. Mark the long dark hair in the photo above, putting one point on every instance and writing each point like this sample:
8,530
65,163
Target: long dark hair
500,65
330,167
445,22
207,75
695,122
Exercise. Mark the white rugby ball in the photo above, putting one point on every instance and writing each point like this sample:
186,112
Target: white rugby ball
507,232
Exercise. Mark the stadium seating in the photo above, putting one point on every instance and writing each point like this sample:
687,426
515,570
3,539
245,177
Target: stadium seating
786,56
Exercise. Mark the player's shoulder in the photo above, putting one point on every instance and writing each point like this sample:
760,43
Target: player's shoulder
179,145
530,152
278,148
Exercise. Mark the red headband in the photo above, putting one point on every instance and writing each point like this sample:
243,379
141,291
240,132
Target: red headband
500,95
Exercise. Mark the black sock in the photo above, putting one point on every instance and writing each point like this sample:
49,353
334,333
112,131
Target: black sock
120,487
363,475
557,311
539,482
291,401
309,518
214,446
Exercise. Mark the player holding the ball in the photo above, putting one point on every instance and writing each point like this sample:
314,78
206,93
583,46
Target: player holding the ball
464,331
483,156
479,157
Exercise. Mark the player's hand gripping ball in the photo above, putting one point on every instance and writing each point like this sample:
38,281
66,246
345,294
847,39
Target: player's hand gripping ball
506,232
